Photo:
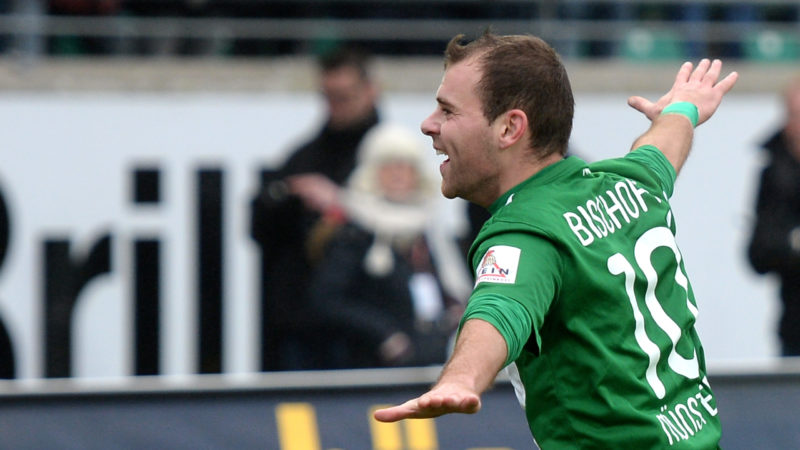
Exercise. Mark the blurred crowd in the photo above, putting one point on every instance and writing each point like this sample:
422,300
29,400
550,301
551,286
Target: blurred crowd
683,28
357,272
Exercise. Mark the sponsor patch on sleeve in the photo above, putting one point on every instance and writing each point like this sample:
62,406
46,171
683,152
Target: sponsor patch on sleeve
498,265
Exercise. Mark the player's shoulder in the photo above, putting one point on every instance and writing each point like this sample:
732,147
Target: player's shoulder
645,165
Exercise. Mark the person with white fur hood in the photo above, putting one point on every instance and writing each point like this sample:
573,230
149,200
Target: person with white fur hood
389,284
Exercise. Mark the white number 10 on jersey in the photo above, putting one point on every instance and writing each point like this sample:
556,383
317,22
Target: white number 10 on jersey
617,265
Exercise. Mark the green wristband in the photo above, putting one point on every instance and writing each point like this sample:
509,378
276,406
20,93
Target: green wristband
683,108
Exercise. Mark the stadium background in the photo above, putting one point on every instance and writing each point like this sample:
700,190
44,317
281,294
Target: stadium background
82,126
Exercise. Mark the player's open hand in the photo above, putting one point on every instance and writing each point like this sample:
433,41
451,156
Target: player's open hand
443,399
700,86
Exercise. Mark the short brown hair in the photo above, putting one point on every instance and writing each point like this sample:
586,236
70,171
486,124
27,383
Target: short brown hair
522,72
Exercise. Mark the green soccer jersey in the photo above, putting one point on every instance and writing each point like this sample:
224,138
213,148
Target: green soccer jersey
579,271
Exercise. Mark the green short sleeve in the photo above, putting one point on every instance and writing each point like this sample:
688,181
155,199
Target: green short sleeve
652,157
517,276
509,317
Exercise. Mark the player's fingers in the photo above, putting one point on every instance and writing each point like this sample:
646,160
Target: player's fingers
683,73
429,399
643,105
470,405
712,74
637,102
727,83
386,415
464,404
395,413
700,72
429,406
467,404
437,404
438,401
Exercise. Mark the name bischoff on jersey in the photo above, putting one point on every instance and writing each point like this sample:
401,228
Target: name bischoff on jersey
608,212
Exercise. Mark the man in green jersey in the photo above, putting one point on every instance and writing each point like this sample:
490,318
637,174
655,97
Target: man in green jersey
580,287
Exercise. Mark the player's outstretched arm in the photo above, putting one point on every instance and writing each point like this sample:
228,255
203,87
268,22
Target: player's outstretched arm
479,355
701,86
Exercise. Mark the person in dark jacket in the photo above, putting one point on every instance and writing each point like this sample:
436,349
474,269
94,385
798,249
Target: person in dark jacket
775,243
8,361
390,282
292,198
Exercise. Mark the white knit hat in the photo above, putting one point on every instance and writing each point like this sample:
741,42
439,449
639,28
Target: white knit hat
392,223
391,142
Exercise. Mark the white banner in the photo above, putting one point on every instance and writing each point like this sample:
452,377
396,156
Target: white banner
72,163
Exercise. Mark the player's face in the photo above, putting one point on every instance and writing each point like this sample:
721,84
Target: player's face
461,132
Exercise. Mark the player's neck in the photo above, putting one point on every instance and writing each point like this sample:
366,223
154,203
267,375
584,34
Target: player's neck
522,170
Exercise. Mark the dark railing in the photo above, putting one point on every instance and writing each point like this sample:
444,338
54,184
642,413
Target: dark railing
765,30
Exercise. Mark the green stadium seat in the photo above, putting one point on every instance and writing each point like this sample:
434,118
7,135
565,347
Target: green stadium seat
67,46
772,46
648,45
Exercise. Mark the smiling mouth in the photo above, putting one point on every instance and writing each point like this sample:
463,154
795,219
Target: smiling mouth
446,160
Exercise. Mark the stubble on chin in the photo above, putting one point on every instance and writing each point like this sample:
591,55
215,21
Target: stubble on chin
447,192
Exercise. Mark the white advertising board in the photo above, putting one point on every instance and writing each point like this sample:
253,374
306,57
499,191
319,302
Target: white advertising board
71,162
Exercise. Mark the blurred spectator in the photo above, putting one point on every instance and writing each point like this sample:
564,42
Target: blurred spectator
7,359
291,201
380,283
775,242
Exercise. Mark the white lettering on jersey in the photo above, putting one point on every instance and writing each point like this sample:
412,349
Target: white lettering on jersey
498,265
683,420
608,212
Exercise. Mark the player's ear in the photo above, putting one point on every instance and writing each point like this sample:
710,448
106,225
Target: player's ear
512,126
